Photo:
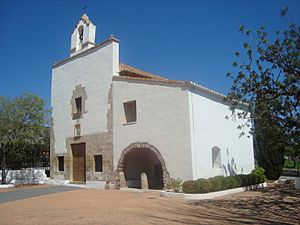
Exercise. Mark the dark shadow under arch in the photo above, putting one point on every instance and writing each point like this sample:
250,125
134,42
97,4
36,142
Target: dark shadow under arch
130,150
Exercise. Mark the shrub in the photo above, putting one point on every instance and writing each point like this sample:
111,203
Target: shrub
230,182
238,181
217,183
190,186
259,172
244,179
203,185
252,179
174,185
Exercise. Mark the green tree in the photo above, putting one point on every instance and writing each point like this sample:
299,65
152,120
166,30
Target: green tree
267,80
22,124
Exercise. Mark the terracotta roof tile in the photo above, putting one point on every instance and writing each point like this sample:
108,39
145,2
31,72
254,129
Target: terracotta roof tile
130,73
126,70
148,79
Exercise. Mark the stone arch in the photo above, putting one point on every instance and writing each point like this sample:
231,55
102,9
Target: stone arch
120,178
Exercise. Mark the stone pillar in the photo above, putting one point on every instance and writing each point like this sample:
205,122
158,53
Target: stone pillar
144,181
110,186
123,183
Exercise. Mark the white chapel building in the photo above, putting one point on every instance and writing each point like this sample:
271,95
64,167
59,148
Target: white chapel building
111,122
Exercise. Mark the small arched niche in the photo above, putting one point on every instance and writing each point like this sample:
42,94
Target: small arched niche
216,157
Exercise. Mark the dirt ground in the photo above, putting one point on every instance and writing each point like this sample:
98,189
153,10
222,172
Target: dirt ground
273,205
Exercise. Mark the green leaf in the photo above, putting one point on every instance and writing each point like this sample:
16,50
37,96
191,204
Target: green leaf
242,27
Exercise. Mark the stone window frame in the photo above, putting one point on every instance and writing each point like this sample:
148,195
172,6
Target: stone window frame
77,130
78,92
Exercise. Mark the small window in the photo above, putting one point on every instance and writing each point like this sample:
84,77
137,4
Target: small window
130,111
78,104
77,130
216,157
98,163
61,163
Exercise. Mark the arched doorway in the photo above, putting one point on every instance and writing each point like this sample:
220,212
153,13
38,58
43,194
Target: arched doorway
138,158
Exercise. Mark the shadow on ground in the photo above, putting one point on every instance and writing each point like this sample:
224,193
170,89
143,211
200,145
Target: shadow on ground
276,204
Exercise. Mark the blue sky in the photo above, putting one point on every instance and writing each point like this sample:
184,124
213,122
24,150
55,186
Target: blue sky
179,39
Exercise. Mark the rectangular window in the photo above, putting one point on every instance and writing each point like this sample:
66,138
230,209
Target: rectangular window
61,163
77,130
98,163
78,103
130,111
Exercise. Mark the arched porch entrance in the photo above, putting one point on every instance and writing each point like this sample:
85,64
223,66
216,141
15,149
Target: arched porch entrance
138,158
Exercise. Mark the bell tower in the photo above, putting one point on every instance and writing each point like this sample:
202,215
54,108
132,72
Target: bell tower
83,36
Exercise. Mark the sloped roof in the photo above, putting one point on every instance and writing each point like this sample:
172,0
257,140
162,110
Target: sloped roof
130,73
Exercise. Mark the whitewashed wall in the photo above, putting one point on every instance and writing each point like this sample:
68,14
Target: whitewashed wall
26,176
93,71
209,128
162,121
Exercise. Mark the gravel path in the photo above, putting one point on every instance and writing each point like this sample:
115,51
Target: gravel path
273,205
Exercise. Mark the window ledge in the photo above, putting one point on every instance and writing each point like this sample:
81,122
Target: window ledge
130,123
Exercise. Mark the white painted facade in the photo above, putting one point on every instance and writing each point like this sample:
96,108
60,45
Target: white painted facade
182,121
162,121
209,128
184,125
94,72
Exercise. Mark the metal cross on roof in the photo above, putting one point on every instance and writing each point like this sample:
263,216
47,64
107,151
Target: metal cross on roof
85,9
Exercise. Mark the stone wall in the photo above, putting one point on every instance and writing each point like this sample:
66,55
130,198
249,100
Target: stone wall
96,144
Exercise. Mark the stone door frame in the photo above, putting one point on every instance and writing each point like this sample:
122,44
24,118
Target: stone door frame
83,151
120,177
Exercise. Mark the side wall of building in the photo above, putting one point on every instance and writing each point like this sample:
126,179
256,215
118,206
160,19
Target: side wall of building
162,121
210,129
89,75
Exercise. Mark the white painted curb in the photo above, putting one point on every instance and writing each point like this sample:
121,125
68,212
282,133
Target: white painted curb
210,195
7,186
137,190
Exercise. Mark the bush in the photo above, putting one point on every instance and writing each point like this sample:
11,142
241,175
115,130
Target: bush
217,183
238,181
174,185
230,182
252,179
259,172
244,179
190,186
203,185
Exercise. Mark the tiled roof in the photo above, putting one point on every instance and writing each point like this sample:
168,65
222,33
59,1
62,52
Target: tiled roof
130,73
140,78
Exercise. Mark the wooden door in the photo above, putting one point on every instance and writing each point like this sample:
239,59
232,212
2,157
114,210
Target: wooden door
79,171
